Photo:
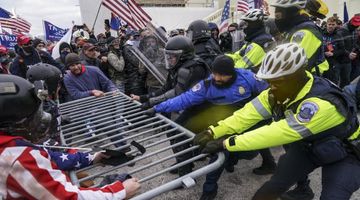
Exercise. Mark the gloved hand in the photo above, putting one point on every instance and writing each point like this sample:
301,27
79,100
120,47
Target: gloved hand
150,112
111,178
145,106
214,146
144,98
203,138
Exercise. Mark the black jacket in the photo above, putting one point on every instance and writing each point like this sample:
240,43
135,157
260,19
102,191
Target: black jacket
207,49
350,39
335,41
134,81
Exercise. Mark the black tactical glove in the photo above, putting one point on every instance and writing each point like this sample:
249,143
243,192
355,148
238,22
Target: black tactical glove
145,106
150,112
214,146
111,178
203,138
144,98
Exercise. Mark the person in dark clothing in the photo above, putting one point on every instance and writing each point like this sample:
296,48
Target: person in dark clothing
352,49
28,55
89,56
4,60
226,39
134,81
39,45
214,31
64,50
152,50
185,70
205,46
334,51
47,79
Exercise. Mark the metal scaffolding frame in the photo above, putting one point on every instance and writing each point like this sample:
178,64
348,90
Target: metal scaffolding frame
112,122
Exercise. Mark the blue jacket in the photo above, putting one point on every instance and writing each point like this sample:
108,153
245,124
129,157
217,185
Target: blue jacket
91,78
243,89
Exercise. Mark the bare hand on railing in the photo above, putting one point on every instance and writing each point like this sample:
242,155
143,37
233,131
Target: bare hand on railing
99,156
135,97
97,93
131,186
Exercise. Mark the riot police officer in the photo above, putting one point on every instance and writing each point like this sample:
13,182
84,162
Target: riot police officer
205,46
185,70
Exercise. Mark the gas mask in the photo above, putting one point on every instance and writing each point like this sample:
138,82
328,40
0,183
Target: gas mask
38,124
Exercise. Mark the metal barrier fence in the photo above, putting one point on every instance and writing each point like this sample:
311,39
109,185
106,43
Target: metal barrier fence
112,122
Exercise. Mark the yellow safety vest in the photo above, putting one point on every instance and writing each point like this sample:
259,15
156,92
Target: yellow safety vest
252,56
284,131
307,40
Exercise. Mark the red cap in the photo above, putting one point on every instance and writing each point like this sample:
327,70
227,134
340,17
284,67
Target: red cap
355,21
3,50
23,39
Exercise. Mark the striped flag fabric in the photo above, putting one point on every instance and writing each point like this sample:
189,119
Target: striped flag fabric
16,24
129,11
225,17
242,6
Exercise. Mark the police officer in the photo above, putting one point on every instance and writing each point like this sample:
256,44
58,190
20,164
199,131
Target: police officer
205,46
300,105
294,21
225,91
185,70
258,41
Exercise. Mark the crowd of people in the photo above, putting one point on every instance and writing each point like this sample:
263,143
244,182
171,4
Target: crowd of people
289,80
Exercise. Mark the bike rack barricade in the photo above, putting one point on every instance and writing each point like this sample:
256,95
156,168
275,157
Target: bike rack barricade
113,122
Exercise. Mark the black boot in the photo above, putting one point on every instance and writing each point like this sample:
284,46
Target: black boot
208,195
265,168
302,191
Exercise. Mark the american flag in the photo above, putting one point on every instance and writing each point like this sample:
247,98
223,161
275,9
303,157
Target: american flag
16,24
242,6
246,5
28,172
129,11
225,17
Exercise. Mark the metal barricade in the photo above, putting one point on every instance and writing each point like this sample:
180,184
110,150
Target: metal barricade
112,122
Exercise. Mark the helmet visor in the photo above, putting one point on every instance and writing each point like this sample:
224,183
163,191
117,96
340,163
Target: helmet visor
190,34
172,57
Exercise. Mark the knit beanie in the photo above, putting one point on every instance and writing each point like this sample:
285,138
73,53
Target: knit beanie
64,45
72,58
223,65
37,41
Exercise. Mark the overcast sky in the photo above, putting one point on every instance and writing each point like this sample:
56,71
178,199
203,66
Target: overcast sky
59,12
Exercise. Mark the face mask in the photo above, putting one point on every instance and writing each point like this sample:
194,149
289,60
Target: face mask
28,49
5,60
39,124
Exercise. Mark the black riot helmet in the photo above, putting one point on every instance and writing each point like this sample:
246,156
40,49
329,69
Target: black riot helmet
177,50
46,76
18,100
198,30
21,110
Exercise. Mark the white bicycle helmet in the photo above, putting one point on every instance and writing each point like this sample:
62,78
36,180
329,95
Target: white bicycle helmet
290,3
283,60
255,15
